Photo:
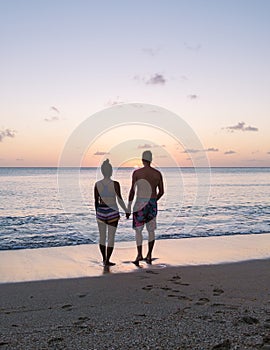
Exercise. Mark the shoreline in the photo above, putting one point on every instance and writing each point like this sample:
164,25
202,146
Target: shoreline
85,260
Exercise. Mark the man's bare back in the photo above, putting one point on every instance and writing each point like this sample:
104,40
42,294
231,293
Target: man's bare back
148,182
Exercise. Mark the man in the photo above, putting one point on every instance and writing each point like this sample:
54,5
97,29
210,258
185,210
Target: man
149,189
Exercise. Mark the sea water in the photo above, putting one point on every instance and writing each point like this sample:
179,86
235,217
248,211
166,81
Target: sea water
197,203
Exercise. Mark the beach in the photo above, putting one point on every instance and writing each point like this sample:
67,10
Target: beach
211,303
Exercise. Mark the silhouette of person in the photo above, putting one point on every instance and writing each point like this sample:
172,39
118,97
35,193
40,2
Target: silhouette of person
148,184
106,191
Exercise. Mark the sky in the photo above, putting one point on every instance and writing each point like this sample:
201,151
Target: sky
64,61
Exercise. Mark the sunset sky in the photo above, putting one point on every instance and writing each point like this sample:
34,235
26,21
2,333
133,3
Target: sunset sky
206,61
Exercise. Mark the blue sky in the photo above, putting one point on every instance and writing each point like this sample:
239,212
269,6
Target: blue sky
207,61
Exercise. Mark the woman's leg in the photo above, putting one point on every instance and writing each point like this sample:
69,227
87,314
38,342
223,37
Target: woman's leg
111,234
102,239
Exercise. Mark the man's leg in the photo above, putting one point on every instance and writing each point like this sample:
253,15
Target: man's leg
151,239
139,240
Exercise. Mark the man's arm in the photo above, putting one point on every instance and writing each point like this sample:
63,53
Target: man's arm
131,192
160,187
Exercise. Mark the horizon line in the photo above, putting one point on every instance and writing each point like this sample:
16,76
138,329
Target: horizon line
131,167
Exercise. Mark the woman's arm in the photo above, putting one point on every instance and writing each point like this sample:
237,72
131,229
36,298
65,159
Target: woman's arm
96,195
119,196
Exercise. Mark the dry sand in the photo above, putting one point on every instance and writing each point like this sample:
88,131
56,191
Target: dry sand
209,306
224,306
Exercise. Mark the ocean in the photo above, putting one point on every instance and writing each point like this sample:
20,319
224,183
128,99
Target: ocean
50,207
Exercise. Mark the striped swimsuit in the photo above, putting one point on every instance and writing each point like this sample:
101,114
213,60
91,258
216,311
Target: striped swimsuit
107,213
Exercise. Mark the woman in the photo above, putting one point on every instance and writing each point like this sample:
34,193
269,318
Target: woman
106,191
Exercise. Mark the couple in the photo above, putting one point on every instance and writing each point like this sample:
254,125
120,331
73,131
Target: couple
148,184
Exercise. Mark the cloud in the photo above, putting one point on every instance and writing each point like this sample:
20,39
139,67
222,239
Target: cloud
193,96
240,126
150,51
52,119
53,108
19,159
115,101
190,47
145,146
251,128
156,79
54,115
191,151
268,152
229,152
148,145
101,153
211,149
7,133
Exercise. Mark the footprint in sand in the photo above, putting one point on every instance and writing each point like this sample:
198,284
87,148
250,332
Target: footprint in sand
218,305
3,343
67,307
81,295
166,288
83,318
217,292
176,277
202,301
140,315
183,297
55,340
151,272
148,287
80,321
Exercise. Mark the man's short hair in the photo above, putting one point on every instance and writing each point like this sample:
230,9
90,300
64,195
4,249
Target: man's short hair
147,155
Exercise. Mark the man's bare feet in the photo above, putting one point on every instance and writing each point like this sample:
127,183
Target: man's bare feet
148,260
137,260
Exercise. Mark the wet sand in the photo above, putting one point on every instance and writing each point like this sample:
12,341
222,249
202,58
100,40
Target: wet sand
85,260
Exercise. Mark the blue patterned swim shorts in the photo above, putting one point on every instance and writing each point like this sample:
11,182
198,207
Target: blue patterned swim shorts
145,212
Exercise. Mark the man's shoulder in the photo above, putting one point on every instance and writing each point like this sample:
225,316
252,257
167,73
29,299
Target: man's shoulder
155,171
137,171
144,171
